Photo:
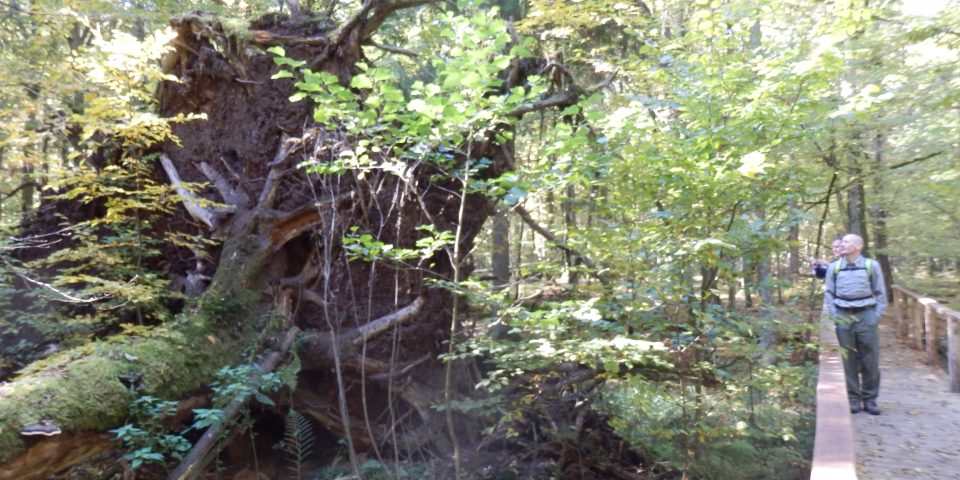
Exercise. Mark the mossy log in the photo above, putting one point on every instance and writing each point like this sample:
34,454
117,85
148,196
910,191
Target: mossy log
88,390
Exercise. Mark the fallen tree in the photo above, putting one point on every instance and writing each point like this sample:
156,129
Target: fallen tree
377,323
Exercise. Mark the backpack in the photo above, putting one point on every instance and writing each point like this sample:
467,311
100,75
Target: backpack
868,266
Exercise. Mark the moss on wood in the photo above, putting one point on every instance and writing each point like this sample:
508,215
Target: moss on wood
83,390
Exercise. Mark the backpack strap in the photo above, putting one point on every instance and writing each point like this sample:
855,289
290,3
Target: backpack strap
868,266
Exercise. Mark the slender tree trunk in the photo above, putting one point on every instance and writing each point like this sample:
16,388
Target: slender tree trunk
779,278
570,224
500,254
793,266
857,205
732,293
765,280
880,217
747,282
28,192
518,260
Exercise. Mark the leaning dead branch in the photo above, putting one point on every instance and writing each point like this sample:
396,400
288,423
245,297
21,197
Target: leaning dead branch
547,234
393,49
267,39
190,201
387,322
230,195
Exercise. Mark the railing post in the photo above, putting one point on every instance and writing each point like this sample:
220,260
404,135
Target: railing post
908,315
918,334
953,352
897,300
930,324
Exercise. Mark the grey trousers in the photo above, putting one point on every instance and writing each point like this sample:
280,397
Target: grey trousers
858,336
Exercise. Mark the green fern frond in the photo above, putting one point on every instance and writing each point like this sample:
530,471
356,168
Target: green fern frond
298,441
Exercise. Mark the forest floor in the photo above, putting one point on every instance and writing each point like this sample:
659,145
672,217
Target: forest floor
915,437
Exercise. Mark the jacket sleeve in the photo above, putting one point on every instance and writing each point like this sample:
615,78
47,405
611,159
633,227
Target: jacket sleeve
820,271
828,287
879,289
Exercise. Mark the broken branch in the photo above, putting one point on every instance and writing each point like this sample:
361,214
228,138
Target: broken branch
190,201
230,195
386,322
525,216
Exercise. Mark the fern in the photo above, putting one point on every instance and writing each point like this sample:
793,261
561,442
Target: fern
298,441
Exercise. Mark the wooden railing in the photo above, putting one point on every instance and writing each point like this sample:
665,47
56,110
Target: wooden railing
922,321
833,451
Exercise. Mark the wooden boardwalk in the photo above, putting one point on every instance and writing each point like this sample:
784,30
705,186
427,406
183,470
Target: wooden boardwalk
918,435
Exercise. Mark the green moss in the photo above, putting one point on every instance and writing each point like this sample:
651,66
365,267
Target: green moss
81,389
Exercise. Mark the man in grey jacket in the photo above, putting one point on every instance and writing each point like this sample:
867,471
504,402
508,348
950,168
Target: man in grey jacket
855,297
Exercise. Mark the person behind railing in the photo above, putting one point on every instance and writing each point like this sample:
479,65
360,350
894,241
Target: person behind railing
855,297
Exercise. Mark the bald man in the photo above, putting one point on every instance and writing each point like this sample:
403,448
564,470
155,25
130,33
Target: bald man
855,297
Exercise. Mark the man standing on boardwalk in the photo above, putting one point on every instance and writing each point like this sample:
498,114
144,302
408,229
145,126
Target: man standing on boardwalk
855,297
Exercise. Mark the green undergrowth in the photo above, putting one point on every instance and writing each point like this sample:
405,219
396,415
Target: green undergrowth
944,287
757,425
693,393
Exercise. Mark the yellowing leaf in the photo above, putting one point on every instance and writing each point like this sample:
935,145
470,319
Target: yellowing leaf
752,164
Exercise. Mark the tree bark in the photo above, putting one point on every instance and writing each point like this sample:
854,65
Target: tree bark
857,205
879,215
500,253
793,265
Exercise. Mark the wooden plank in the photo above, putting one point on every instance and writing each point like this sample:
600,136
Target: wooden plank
915,436
833,452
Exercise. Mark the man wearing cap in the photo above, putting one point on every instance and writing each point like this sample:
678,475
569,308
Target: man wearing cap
855,297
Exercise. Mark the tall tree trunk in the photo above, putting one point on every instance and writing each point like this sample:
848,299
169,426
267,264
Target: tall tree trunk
793,237
517,260
748,272
570,224
732,291
857,205
879,215
28,192
500,251
779,279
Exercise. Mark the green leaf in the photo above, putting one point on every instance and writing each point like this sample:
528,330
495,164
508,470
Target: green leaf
361,81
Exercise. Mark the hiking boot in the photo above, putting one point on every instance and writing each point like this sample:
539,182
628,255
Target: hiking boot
854,406
871,407
46,428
